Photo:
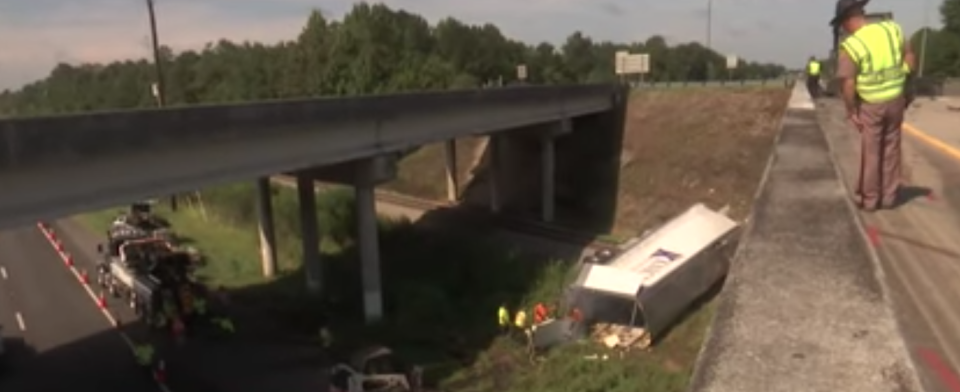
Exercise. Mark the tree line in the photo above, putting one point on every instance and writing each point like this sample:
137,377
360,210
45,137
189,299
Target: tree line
373,50
942,57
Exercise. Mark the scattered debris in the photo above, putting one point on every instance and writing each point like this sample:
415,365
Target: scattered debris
375,369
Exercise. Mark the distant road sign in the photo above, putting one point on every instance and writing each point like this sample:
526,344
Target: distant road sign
632,63
732,61
619,59
522,72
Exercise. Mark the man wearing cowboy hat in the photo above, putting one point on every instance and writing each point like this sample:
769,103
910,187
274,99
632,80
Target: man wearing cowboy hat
873,64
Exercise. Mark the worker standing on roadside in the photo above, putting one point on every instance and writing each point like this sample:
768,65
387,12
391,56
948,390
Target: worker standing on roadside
144,354
520,320
540,313
503,318
813,77
225,324
873,66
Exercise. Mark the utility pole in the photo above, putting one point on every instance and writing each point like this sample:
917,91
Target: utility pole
709,38
158,90
709,24
923,39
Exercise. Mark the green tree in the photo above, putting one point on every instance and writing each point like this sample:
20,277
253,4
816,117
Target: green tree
373,50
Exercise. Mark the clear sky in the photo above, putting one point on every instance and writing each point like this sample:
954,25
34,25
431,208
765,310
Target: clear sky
36,34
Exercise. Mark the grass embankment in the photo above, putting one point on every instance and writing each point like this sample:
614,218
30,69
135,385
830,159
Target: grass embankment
441,291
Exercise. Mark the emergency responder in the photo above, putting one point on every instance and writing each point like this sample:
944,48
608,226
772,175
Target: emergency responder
813,77
225,324
540,313
873,66
520,320
144,354
503,318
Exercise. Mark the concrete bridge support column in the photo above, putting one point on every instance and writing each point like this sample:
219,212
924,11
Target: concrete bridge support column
310,231
450,155
367,228
268,238
548,181
493,173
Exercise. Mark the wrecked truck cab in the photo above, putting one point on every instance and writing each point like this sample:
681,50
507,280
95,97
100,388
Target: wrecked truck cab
638,294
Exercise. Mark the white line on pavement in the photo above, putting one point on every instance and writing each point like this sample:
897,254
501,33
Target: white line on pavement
3,273
23,326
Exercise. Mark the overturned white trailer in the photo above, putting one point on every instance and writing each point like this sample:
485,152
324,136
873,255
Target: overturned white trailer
648,285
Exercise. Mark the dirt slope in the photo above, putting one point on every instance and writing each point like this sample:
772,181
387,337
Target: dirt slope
687,146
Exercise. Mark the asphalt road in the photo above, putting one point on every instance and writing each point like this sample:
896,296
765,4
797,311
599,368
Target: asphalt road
59,339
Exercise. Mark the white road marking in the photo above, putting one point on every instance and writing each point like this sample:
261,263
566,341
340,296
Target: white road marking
23,326
3,273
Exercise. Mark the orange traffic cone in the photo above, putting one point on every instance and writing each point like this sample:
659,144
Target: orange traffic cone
68,259
101,301
84,278
58,244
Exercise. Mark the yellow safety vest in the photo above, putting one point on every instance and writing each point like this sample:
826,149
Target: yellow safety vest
813,68
144,354
521,319
503,316
877,49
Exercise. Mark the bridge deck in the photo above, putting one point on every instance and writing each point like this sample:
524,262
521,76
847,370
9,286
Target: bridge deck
803,308
918,243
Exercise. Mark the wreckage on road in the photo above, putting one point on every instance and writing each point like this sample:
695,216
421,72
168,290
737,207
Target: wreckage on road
632,298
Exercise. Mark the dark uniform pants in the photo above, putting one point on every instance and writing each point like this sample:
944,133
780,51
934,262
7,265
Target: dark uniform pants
880,153
813,86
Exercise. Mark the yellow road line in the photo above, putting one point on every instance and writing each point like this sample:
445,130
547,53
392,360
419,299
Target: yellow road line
945,148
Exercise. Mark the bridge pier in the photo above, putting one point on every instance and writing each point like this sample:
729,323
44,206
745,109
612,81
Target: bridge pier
369,173
268,238
310,231
493,173
548,181
369,252
450,156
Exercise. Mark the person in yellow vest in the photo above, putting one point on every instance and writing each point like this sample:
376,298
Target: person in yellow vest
144,355
225,324
813,77
520,320
503,318
873,65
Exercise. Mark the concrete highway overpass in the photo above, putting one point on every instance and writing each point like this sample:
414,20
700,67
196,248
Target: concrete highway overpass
59,165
